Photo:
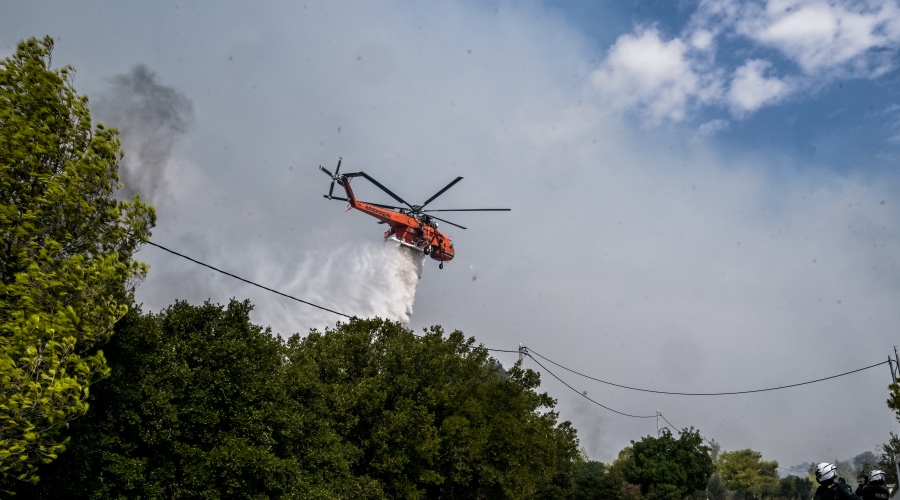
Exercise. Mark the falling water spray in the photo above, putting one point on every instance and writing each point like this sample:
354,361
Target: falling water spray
402,273
364,280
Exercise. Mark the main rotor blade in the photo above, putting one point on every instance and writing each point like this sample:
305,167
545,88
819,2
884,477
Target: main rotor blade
448,222
335,198
471,210
448,186
373,181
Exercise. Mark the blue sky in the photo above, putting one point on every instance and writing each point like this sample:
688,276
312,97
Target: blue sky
704,194
826,95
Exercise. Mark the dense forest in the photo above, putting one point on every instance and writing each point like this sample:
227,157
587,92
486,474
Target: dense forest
100,399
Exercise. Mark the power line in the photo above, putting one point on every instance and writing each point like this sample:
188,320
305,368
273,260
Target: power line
589,399
273,290
673,426
707,393
248,281
529,351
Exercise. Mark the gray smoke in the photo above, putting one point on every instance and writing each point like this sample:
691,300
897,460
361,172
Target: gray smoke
151,118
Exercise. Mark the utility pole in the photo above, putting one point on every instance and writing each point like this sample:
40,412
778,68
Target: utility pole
897,467
657,424
894,364
523,351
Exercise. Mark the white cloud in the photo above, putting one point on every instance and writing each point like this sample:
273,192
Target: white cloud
821,35
657,76
751,88
823,40
713,127
702,39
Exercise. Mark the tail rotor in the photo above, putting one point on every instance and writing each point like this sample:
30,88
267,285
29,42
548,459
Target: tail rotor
335,177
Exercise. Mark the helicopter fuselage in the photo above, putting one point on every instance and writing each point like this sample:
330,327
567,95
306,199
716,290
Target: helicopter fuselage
410,225
409,231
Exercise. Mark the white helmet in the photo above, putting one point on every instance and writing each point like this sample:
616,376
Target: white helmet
825,472
876,476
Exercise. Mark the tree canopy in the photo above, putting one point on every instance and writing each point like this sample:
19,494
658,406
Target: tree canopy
66,245
434,416
745,472
666,467
201,403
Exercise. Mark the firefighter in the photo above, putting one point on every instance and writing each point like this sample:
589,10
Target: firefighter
873,488
831,487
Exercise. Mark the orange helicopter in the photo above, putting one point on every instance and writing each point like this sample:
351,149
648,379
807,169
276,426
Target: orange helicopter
410,226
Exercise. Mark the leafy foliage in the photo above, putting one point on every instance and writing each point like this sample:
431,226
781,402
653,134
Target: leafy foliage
745,472
66,272
199,404
203,404
589,481
891,449
435,416
596,481
795,488
668,468
893,400
715,488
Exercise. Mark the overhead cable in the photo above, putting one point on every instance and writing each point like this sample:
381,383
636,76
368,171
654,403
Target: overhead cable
584,395
678,431
706,393
247,281
173,252
273,290
666,420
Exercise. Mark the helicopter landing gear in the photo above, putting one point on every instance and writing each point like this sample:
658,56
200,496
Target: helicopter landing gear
441,265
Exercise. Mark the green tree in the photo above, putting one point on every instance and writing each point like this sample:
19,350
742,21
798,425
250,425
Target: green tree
890,450
668,468
615,480
745,472
434,416
66,245
715,488
893,400
201,404
589,484
795,488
